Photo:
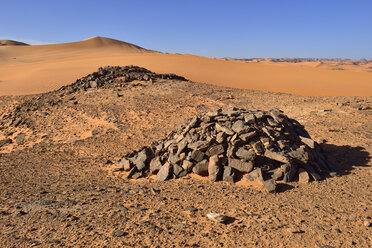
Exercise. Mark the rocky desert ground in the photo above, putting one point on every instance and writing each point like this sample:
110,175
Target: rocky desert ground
60,185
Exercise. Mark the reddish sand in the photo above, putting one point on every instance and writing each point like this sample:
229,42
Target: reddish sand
36,69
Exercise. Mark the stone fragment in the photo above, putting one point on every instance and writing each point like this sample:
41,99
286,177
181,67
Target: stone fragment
276,156
221,137
93,84
126,164
312,172
155,165
177,170
239,165
224,129
300,154
303,176
245,154
199,145
181,147
216,217
174,158
255,176
248,136
215,150
197,155
309,142
187,165
259,148
249,118
214,168
165,172
201,168
229,174
119,234
239,127
270,185
20,138
289,172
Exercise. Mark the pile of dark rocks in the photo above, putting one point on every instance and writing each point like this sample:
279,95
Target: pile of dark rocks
234,144
110,74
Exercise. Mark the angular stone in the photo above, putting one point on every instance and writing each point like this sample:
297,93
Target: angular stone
312,172
248,136
214,169
181,146
239,127
270,185
224,129
309,142
258,147
215,150
174,158
229,174
249,118
165,172
93,84
300,154
199,145
221,137
303,176
255,176
276,156
201,168
245,154
155,165
177,170
240,165
289,172
126,164
197,155
187,165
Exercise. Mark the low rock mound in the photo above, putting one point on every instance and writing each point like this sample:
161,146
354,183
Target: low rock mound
252,145
110,74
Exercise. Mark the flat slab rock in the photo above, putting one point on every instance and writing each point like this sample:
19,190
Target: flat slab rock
265,146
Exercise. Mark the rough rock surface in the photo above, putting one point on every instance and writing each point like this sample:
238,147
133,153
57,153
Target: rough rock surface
237,139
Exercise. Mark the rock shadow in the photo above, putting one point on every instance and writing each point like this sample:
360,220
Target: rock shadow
346,158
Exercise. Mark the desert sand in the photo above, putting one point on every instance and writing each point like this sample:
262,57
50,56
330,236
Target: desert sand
60,179
37,69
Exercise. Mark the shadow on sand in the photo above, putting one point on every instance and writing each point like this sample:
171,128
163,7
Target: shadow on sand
346,158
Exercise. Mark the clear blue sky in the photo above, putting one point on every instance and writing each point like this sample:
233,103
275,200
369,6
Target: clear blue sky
241,29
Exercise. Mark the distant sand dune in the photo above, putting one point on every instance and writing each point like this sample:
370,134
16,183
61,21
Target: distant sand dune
12,43
36,69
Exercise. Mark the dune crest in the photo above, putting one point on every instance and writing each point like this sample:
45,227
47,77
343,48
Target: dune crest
12,43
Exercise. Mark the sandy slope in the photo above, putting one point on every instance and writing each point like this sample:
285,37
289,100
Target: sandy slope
36,69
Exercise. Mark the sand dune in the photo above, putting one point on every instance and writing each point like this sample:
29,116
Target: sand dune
36,69
12,43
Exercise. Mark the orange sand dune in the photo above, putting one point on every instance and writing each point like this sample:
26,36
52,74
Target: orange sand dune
38,69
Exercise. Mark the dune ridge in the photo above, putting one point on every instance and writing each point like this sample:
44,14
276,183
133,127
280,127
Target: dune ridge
37,69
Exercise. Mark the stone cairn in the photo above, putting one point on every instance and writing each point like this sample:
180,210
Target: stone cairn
251,145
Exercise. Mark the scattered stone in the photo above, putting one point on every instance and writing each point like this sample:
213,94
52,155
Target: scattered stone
118,233
216,217
20,138
294,230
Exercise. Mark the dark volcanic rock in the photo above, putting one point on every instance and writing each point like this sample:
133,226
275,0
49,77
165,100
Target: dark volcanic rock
267,145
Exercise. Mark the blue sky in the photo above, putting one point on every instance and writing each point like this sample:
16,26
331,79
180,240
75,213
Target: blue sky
241,29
